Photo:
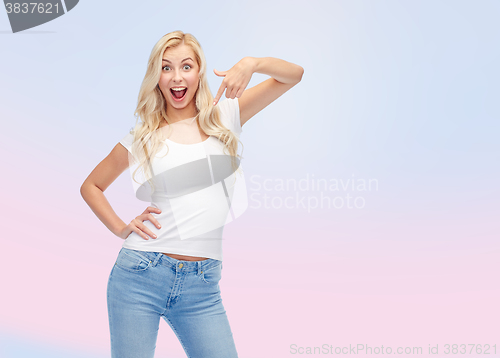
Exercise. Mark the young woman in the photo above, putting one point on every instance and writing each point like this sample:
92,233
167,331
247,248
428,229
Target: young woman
170,263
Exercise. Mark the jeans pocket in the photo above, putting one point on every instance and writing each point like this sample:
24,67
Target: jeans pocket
211,275
132,261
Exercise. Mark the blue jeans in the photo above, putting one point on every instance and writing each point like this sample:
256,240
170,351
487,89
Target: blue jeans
144,286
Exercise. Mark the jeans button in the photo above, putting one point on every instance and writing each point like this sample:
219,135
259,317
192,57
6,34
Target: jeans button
180,265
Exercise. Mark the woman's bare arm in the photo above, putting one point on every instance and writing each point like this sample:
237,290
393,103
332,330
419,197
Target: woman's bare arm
284,75
99,180
92,189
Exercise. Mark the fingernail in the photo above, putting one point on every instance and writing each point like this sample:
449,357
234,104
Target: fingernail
213,103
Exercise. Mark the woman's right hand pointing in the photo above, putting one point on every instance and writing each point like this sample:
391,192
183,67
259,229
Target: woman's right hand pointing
137,225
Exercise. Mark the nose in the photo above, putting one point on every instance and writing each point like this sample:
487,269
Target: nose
177,76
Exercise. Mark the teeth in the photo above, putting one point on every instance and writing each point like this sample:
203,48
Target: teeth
178,89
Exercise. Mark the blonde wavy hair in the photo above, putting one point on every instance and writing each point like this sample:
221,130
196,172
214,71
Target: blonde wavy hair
151,109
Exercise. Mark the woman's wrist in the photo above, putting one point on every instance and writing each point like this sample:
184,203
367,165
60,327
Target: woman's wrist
254,63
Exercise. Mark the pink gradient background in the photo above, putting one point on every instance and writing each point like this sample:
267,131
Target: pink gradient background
418,265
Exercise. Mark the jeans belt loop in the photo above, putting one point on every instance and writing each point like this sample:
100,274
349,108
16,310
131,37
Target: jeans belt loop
158,257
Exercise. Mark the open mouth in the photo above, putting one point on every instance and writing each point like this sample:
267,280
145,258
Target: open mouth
178,94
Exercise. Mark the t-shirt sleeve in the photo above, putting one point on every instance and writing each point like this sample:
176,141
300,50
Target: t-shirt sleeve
230,114
128,140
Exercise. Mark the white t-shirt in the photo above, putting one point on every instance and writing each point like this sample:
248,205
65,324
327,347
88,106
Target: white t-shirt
197,190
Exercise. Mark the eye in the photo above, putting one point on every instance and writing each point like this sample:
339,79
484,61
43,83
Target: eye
187,66
163,68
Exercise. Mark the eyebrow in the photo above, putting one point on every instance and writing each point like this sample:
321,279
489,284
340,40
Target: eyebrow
188,58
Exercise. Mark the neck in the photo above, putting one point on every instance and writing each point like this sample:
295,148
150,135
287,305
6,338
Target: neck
176,115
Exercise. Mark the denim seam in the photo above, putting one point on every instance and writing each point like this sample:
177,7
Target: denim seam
210,268
179,337
157,258
202,275
131,270
145,258
212,263
109,311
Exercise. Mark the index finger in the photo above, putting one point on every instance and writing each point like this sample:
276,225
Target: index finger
219,93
